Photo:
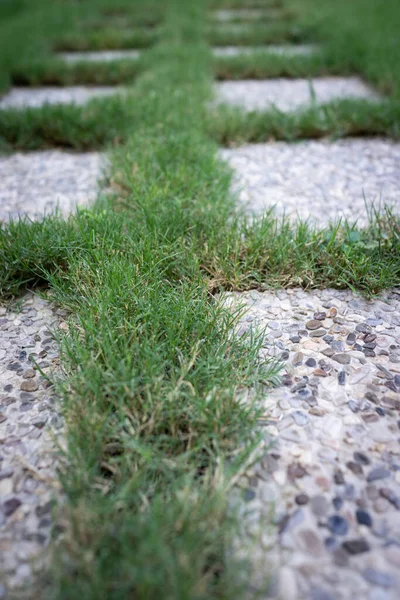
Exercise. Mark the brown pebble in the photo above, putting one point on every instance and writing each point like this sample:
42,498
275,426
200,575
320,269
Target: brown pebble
30,385
323,483
356,468
313,324
317,412
29,374
296,471
328,352
333,312
320,373
298,358
370,417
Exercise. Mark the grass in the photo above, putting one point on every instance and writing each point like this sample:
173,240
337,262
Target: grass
262,64
100,123
108,38
57,72
258,34
156,428
231,126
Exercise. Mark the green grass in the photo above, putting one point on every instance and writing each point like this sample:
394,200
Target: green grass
102,122
231,126
258,34
262,64
108,38
156,429
57,72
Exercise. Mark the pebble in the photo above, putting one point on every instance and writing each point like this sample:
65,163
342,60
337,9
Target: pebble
378,577
343,359
356,546
338,525
29,386
378,473
364,518
361,458
302,499
313,324
319,506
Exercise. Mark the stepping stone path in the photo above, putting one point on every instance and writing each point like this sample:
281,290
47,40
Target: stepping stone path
331,465
31,423
37,183
37,97
282,50
328,470
317,180
288,95
101,56
31,430
329,474
225,16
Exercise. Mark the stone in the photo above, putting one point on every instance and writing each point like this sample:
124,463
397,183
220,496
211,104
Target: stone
337,502
356,546
296,471
343,359
10,506
378,473
311,362
30,385
355,467
301,499
300,418
380,578
319,506
361,458
7,472
363,518
313,324
338,525
388,494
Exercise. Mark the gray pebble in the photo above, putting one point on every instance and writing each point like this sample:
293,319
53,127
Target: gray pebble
343,359
378,473
378,577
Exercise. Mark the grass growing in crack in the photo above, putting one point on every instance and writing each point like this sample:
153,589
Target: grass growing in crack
102,122
231,126
257,34
57,72
264,64
110,38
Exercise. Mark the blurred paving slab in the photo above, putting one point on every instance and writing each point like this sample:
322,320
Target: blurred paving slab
320,510
317,180
227,15
36,183
36,97
281,50
101,56
288,95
